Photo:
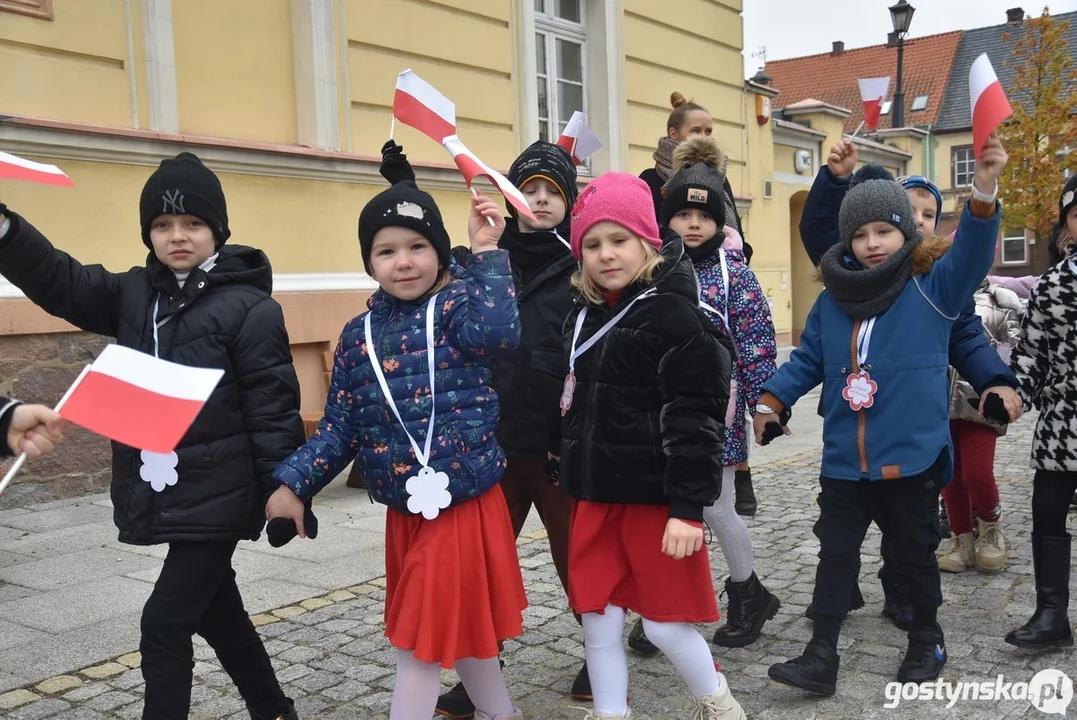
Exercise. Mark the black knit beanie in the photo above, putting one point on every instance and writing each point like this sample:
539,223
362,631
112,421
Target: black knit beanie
697,181
1067,199
404,205
184,186
550,162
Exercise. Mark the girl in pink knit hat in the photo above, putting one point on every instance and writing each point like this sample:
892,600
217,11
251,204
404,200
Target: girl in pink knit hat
643,405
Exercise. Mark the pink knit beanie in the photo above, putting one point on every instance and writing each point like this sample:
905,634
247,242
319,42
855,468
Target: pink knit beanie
620,198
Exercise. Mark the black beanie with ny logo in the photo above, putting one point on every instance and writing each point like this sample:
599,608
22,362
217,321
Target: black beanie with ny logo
184,186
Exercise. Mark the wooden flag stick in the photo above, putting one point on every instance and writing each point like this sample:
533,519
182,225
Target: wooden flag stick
857,129
392,127
475,193
21,460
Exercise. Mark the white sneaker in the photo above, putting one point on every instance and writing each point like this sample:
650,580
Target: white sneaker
516,714
592,715
959,554
720,706
991,547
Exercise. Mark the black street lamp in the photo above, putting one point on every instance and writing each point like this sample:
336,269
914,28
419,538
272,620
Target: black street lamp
901,14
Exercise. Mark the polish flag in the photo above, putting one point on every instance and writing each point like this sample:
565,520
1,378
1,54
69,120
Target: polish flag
419,105
139,400
578,139
13,167
873,92
471,167
989,104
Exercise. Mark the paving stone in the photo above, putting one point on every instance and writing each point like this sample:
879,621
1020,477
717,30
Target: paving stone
58,684
17,698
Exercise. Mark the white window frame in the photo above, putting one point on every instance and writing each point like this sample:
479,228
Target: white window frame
969,162
885,109
553,29
919,99
605,100
1024,250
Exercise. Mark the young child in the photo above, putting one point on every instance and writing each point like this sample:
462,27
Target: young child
974,437
528,382
203,303
970,354
695,211
877,339
643,406
410,401
1045,364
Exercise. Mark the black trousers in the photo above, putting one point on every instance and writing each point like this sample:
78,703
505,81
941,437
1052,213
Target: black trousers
1052,493
906,511
197,593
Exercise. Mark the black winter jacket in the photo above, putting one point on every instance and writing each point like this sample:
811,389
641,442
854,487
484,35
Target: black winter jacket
222,319
646,422
528,382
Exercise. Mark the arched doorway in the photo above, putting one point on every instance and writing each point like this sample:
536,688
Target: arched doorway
804,288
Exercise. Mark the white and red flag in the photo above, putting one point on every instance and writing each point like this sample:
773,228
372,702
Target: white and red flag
873,92
13,167
418,104
989,104
472,167
578,139
139,400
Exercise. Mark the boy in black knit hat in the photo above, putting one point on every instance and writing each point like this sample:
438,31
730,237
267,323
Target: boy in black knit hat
877,339
200,302
529,382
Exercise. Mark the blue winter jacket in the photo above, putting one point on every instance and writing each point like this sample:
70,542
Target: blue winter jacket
476,319
907,428
970,352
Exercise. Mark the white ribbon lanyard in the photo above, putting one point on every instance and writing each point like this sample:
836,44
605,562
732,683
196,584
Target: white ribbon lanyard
863,342
1073,265
563,241
428,490
570,380
860,389
725,295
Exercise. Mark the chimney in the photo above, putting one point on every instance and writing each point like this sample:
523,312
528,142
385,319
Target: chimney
1015,16
891,39
839,47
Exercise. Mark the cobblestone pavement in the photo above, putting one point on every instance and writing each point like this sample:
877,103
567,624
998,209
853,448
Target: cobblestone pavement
332,658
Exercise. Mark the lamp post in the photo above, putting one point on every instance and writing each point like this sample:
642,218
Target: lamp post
901,15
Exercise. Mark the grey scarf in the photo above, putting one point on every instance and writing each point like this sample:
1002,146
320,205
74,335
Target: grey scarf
866,292
663,158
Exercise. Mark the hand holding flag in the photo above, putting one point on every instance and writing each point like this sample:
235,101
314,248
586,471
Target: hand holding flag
989,165
989,104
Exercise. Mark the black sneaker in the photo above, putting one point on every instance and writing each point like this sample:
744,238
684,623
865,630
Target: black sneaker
856,602
456,704
581,686
816,670
637,640
923,660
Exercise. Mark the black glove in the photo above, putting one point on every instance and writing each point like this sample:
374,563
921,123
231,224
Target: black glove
553,470
774,430
994,409
394,164
281,530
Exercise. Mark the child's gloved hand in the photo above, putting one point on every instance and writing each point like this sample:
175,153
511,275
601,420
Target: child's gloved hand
281,530
771,425
553,469
394,163
283,504
994,409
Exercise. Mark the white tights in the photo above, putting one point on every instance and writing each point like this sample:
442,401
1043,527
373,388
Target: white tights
418,684
729,528
608,668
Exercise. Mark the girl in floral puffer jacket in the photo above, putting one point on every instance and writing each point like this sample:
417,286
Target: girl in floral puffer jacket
410,400
974,439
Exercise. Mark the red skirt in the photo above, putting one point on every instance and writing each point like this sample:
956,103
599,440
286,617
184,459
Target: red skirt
615,558
453,584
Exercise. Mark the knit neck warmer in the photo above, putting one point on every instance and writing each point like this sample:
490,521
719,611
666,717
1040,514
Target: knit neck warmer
663,158
704,250
866,292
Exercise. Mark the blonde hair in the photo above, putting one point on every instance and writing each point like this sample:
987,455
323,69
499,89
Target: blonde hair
593,292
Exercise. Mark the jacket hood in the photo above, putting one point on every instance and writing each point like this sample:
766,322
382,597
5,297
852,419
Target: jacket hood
236,264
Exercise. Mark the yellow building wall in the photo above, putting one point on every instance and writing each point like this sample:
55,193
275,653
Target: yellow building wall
235,75
73,68
695,52
440,42
944,164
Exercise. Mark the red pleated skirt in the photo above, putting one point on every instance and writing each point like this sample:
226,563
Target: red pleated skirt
615,558
453,584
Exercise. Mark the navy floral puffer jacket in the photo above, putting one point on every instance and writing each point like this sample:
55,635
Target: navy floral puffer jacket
475,319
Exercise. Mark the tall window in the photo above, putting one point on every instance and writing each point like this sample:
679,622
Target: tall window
964,167
1014,249
560,41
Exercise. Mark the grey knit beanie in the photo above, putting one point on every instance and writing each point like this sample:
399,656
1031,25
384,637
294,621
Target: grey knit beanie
874,196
